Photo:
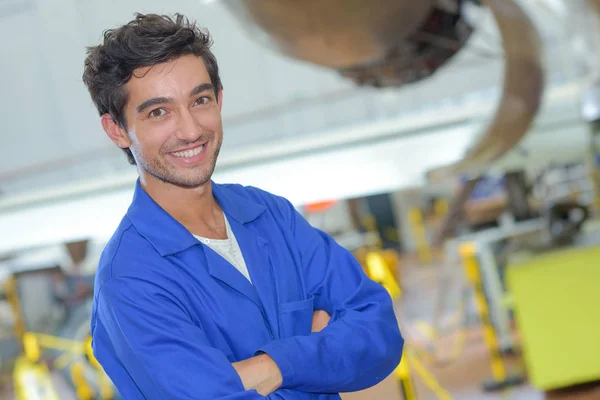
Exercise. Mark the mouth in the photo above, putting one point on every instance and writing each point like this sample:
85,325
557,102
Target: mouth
188,153
189,156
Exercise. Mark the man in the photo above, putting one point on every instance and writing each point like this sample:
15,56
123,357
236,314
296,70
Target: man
210,291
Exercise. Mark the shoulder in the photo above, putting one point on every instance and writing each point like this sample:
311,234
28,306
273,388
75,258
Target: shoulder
127,254
276,204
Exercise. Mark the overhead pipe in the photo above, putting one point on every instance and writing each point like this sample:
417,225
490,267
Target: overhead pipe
522,94
522,91
381,43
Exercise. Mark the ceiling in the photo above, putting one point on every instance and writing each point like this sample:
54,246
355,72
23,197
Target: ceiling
52,136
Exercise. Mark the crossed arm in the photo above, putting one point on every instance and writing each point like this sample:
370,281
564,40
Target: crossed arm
261,373
169,357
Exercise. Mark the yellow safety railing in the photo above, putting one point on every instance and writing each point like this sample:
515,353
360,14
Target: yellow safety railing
33,381
427,377
379,268
82,387
403,374
404,377
471,264
379,271
500,378
73,353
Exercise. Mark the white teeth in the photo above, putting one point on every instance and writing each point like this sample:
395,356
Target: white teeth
189,153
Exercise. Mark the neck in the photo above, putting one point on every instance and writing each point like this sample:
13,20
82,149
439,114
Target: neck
192,207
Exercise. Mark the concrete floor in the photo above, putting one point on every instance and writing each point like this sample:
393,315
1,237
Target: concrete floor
463,377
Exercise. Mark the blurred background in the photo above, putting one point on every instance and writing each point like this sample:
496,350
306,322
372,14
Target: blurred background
452,145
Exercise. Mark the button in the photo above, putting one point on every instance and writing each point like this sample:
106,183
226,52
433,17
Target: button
206,241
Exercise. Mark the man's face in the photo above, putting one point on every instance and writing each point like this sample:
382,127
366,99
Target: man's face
174,122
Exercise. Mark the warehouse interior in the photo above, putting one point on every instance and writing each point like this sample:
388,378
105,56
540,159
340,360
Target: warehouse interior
453,146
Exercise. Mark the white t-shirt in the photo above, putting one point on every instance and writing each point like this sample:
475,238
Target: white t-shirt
229,249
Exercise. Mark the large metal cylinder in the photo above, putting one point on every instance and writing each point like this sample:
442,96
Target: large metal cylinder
375,42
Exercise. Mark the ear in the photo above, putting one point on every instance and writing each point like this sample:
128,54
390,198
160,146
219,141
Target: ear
220,99
115,132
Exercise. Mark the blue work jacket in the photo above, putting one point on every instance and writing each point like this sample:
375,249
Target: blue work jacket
170,315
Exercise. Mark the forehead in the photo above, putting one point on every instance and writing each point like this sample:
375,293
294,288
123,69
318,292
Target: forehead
170,79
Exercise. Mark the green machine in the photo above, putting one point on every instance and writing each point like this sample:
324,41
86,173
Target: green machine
556,300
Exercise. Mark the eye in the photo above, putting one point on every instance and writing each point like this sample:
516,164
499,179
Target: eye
157,113
202,100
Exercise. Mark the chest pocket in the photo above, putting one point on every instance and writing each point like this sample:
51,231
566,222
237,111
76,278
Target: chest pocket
295,318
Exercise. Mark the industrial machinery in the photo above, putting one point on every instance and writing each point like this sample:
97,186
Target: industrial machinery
387,43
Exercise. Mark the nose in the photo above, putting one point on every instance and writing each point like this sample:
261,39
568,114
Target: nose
188,128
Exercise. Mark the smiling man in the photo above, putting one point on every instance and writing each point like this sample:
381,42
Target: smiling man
214,291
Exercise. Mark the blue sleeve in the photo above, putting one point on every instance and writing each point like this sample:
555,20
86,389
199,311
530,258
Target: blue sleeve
361,345
165,355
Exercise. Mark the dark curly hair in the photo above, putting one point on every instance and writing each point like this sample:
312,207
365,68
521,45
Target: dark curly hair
147,40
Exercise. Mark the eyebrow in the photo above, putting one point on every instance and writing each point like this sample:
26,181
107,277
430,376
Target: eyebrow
203,87
152,102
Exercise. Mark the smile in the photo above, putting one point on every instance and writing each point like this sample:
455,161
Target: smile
189,153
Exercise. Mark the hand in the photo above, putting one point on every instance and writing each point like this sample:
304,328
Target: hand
320,320
259,373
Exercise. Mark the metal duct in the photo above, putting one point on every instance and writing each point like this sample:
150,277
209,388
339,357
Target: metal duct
522,90
378,43
521,97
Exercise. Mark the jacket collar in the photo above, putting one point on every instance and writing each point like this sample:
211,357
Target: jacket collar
166,234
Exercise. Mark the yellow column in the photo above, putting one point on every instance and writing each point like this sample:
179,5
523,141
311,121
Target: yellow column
441,207
82,387
370,225
31,347
12,295
379,271
418,231
403,375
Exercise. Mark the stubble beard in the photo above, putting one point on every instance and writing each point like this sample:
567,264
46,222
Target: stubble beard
196,176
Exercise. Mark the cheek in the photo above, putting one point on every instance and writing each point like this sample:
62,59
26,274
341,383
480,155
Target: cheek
209,120
153,136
